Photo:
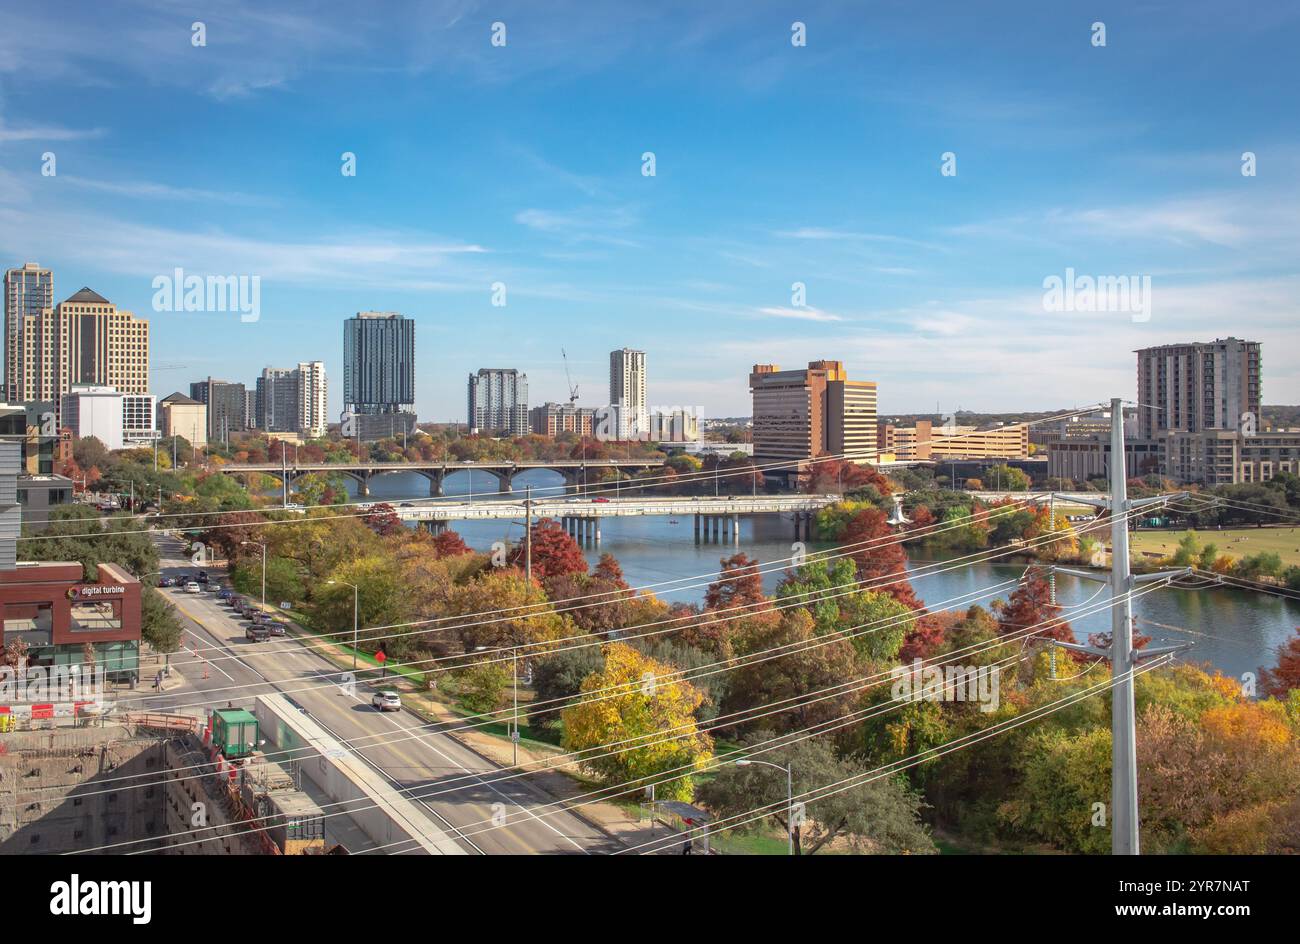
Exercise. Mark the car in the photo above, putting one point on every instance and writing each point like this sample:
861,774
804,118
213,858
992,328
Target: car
225,593
193,587
166,581
214,588
276,627
600,501
406,505
201,576
257,634
386,701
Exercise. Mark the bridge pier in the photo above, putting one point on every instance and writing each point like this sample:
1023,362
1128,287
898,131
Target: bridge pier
433,526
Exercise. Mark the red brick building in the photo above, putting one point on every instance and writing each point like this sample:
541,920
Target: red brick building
52,608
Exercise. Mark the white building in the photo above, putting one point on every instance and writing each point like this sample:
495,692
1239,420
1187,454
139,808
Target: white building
116,419
627,393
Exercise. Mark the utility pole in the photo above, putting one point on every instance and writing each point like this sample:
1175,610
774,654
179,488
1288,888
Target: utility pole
1124,819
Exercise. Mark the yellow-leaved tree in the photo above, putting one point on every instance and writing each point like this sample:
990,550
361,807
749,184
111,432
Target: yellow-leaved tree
641,723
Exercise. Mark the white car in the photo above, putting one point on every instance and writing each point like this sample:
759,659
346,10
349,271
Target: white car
386,701
193,587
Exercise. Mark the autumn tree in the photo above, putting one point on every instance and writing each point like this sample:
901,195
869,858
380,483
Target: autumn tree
782,659
642,726
1278,681
383,520
1030,606
878,816
878,554
450,544
553,551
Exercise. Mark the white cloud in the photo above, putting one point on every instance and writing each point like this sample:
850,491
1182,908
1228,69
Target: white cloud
800,314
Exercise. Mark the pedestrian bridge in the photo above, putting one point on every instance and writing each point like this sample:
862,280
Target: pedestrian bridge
715,518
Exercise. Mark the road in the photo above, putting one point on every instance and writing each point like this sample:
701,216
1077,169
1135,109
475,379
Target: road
413,758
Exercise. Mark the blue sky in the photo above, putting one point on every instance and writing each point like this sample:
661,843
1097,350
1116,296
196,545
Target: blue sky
774,165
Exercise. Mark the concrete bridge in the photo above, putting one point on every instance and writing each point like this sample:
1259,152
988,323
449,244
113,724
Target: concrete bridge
577,473
716,519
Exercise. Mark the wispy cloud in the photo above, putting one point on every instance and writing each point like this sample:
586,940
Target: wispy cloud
10,134
151,190
585,224
800,314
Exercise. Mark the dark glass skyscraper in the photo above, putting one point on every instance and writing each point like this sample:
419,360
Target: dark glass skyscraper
378,363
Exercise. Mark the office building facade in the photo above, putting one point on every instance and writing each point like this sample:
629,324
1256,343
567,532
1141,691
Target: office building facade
378,363
179,415
227,407
292,400
85,339
1191,388
627,393
29,291
551,419
800,414
497,402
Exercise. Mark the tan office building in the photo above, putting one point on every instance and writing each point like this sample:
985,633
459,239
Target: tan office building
83,340
179,415
926,441
800,414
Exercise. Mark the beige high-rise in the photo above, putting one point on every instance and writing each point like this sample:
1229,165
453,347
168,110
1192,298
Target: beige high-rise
84,339
802,414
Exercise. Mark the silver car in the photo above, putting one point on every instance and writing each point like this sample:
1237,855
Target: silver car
386,701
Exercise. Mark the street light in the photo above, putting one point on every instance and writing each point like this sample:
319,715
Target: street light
263,547
789,794
355,593
514,673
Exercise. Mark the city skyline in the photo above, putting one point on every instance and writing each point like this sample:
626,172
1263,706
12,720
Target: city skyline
917,280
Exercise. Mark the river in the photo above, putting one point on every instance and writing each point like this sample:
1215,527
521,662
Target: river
1234,630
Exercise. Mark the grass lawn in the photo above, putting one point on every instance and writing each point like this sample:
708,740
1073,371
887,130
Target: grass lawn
1237,542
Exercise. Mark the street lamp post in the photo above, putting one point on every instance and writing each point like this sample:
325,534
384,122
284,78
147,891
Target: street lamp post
789,794
355,593
263,547
513,726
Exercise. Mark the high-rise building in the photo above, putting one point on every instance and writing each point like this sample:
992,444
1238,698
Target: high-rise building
378,363
292,399
85,339
498,402
1192,388
227,407
801,414
28,292
627,393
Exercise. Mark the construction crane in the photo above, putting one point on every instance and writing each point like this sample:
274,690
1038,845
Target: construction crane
573,388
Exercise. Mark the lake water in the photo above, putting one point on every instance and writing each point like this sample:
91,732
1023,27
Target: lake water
1235,630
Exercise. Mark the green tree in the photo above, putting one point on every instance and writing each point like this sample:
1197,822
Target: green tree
875,816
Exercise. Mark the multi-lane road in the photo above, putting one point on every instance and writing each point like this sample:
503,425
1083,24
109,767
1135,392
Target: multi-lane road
462,792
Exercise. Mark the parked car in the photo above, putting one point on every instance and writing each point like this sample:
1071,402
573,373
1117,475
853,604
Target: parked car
386,701
256,633
193,587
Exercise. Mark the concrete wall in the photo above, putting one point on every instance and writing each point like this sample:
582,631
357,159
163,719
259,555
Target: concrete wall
386,818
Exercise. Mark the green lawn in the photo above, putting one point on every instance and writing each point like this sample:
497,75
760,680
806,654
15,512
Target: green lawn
1237,542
